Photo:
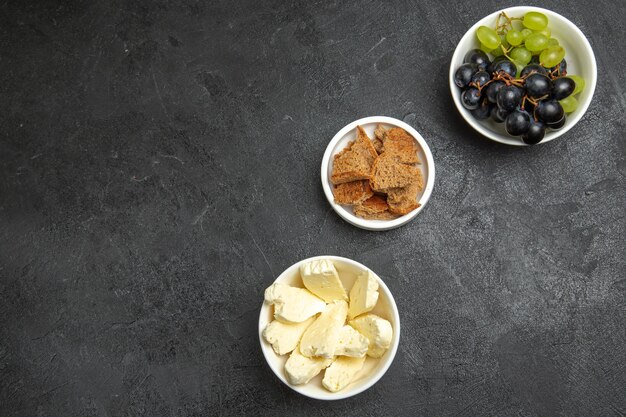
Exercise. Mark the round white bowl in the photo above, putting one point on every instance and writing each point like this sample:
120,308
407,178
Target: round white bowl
340,141
580,61
373,369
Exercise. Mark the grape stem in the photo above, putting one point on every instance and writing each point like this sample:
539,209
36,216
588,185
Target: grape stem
506,51
534,103
556,72
500,27
480,87
507,78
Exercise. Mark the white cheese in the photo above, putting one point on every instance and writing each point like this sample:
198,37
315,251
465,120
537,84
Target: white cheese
322,337
351,343
342,372
285,337
363,295
300,369
321,278
377,330
291,304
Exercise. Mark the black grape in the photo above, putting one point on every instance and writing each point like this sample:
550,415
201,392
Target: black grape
509,98
483,111
559,124
531,68
480,78
463,75
562,87
490,68
560,69
536,132
517,123
471,98
538,85
478,58
492,89
498,115
549,111
505,66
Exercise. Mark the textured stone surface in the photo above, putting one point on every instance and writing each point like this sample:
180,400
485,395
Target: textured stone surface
159,167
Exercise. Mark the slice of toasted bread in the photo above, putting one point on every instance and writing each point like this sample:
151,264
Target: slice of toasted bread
355,162
398,142
374,208
388,172
404,200
380,132
352,192
378,145
379,137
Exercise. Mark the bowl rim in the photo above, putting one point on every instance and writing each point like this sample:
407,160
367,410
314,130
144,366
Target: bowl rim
590,82
376,376
377,225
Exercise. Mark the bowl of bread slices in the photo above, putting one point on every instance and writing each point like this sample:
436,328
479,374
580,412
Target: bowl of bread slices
378,173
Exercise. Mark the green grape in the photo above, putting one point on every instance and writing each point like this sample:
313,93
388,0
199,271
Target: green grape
497,52
569,104
535,20
519,66
525,32
580,83
545,32
488,37
553,42
514,37
521,55
485,49
536,42
551,56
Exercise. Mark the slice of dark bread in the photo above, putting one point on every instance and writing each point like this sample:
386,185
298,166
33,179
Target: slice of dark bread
352,192
374,208
403,200
388,172
379,137
397,142
355,161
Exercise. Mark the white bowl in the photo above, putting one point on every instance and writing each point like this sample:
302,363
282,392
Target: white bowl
373,369
580,61
341,140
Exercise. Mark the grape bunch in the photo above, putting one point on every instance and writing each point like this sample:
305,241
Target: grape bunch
525,85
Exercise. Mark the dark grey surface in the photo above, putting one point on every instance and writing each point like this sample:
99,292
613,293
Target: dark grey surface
159,167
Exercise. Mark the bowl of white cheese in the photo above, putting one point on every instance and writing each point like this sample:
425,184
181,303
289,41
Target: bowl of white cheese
329,327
